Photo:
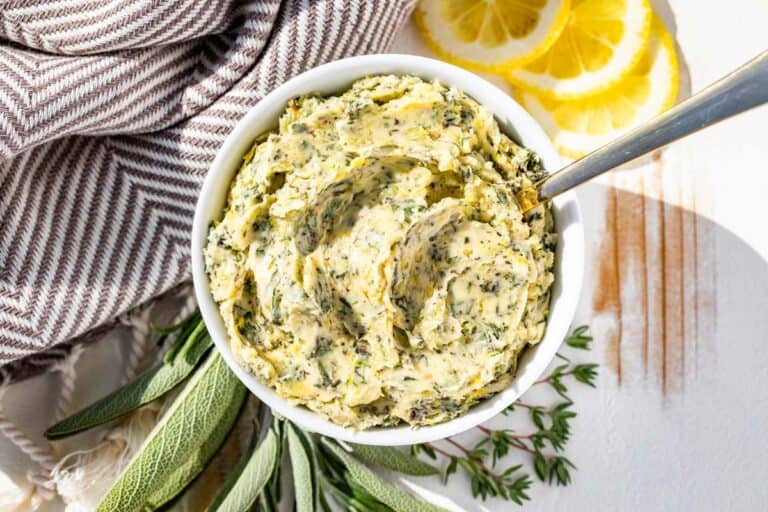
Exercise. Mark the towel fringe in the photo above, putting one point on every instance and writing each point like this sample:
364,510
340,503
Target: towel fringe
81,478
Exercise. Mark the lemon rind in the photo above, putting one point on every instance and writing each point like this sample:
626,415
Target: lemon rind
558,24
603,84
530,102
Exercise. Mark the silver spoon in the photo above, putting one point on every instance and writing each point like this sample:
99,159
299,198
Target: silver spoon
743,89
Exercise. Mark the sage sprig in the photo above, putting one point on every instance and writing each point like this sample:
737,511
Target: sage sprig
387,493
190,345
322,470
393,459
181,444
270,498
247,488
301,464
234,475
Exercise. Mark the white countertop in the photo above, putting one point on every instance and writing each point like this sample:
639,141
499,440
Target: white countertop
678,419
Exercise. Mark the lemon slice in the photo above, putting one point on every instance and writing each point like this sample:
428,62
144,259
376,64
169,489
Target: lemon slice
600,44
579,126
490,35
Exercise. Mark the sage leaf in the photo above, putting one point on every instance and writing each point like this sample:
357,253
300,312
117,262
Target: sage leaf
387,493
323,502
311,446
393,459
362,498
274,485
270,496
183,337
147,387
201,416
198,333
255,475
264,503
234,475
302,472
195,463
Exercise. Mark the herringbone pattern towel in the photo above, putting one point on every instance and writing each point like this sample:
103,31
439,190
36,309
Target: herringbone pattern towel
110,113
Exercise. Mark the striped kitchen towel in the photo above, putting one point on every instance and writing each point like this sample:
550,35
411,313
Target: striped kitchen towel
110,114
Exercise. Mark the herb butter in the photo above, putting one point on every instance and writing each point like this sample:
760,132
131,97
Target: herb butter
372,262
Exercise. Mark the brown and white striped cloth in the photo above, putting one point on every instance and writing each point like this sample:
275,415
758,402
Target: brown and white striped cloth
110,114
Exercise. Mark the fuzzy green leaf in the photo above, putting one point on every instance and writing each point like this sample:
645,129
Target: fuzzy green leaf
243,494
362,497
149,386
393,459
234,475
188,333
302,471
197,421
311,445
199,333
273,490
175,484
382,490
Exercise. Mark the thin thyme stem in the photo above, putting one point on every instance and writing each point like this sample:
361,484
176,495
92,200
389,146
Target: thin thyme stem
439,450
489,431
549,379
457,445
523,447
553,424
479,463
515,440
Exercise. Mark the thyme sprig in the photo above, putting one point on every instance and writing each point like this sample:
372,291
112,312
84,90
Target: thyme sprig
508,484
324,471
543,447
585,373
579,338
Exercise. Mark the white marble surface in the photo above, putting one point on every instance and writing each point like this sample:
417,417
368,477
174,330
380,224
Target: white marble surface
652,439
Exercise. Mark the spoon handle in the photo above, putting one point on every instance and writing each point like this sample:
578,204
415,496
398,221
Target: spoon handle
743,89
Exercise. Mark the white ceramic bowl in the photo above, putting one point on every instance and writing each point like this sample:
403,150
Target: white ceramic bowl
333,78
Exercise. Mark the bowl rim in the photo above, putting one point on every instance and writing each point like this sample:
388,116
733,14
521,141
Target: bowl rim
569,252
